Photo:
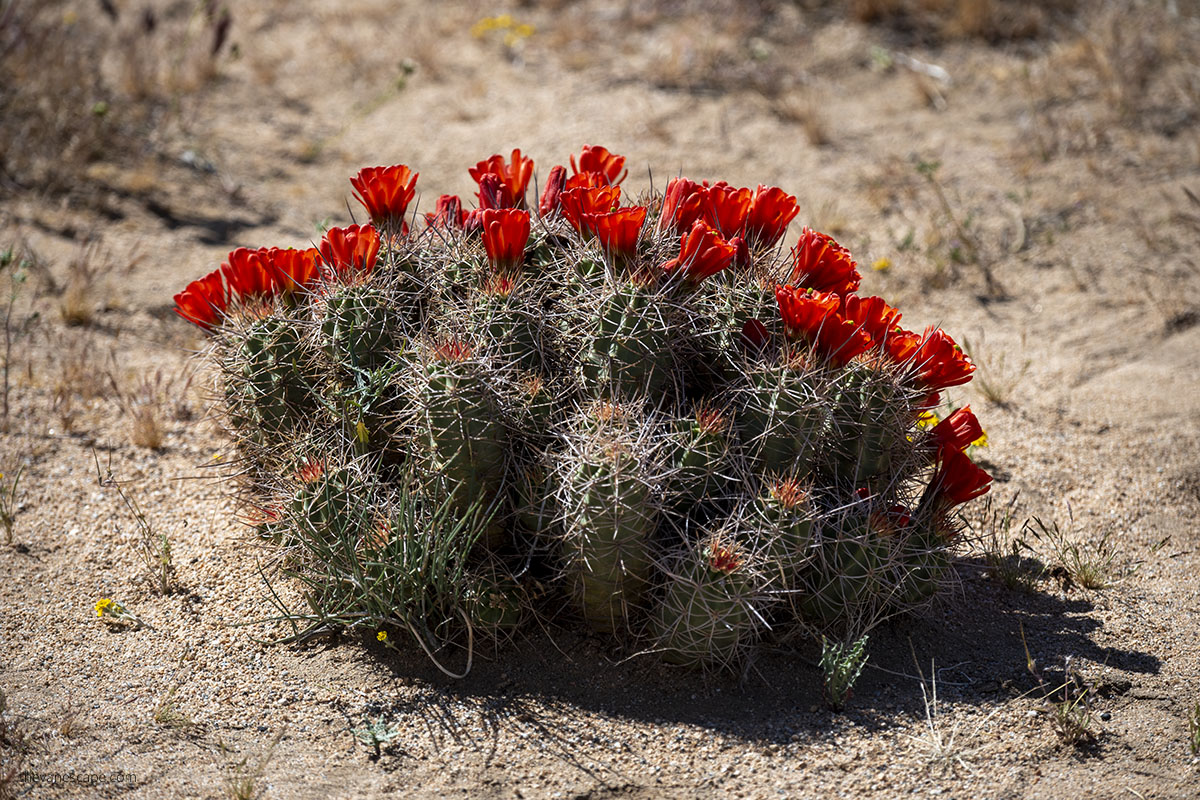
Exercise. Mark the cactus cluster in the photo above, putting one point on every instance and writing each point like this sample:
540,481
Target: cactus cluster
649,419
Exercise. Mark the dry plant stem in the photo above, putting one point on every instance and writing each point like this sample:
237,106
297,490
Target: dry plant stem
928,170
8,505
154,549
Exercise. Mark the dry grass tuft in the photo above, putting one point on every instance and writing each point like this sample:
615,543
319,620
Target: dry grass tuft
83,86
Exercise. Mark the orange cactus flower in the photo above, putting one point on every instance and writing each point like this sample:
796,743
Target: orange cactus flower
550,202
936,361
618,231
385,193
957,431
702,252
771,211
448,213
203,301
957,480
513,174
350,252
723,558
294,270
683,203
727,208
587,180
505,233
872,314
818,262
249,275
578,202
597,159
813,316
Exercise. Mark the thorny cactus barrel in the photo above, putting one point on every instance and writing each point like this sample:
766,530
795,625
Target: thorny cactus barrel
639,414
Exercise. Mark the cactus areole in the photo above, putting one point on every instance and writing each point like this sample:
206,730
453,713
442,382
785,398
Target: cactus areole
646,415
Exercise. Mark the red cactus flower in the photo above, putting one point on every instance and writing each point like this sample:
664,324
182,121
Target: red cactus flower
386,192
597,159
294,270
741,252
587,180
818,262
771,211
723,558
249,275
453,350
514,175
505,233
935,359
683,203
494,193
350,251
551,202
727,208
957,431
957,480
448,213
702,252
578,202
874,316
310,471
813,316
890,522
618,231
203,301
755,336
804,310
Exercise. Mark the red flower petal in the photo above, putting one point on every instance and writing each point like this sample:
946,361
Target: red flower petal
597,159
771,211
505,233
727,208
618,231
702,253
820,263
385,192
551,201
957,431
350,251
683,203
514,175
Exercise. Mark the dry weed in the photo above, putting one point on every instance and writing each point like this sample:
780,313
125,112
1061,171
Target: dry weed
84,86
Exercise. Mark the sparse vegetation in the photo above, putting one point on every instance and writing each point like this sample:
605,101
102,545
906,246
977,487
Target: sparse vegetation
1193,731
842,664
377,733
8,501
168,714
15,269
1089,564
1006,551
154,398
999,373
154,548
243,777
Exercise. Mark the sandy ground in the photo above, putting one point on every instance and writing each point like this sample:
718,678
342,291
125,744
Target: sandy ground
1065,166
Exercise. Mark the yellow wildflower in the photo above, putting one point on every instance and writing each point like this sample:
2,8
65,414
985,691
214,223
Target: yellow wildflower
882,265
103,605
982,441
927,420
381,636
